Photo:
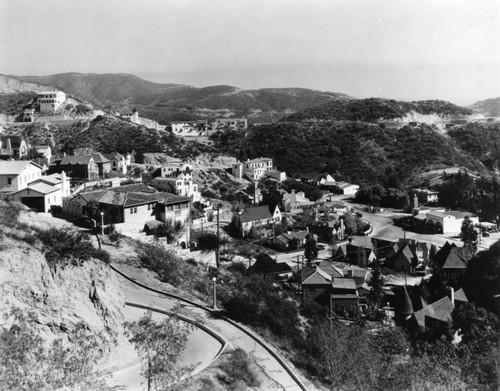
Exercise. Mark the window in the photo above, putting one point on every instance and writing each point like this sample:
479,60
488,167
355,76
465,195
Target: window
9,181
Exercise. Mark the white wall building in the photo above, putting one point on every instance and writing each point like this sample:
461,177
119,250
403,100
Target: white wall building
16,175
255,168
450,222
50,101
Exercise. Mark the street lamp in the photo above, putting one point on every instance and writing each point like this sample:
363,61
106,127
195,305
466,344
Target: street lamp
214,280
102,223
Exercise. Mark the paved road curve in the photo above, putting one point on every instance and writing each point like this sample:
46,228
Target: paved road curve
277,377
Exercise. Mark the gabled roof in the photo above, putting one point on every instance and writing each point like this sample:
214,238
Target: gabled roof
41,188
76,159
460,296
331,269
439,310
114,156
458,258
311,275
100,158
267,265
15,141
15,167
256,213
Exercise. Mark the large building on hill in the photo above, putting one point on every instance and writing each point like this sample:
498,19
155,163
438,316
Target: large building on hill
253,169
50,101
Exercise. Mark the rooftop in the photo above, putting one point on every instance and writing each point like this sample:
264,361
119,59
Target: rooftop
14,167
256,213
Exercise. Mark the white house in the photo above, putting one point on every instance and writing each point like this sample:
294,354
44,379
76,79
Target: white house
258,216
254,169
347,188
16,175
45,151
50,101
177,178
296,202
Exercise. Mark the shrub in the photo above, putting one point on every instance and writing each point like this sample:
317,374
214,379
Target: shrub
103,255
62,246
237,370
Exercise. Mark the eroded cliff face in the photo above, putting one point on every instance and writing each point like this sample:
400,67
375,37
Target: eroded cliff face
62,298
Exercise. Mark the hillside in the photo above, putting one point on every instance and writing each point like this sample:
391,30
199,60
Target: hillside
100,88
376,109
488,107
105,134
361,152
170,102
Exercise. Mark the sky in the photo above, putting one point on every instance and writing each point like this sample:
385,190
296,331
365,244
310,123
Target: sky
400,49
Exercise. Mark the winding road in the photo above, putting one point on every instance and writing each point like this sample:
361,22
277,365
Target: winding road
277,374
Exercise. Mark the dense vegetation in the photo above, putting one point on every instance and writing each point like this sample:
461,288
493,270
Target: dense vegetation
106,135
374,109
357,152
12,104
481,140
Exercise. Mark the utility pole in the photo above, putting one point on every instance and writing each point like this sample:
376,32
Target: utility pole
218,238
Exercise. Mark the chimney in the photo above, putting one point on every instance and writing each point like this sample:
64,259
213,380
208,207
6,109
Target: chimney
452,295
63,184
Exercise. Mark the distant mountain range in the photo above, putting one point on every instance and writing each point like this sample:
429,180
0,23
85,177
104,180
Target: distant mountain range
168,102
488,107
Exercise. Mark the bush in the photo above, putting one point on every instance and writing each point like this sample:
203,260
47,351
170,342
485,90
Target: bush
103,255
63,246
237,371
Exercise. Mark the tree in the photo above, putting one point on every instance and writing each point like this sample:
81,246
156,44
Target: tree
160,346
311,249
376,294
469,234
209,241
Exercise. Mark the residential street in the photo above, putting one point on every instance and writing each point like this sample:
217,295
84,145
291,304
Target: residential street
276,377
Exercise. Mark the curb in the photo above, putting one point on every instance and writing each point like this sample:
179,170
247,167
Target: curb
232,322
188,320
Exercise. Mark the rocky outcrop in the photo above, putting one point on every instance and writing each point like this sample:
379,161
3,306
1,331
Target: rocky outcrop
60,299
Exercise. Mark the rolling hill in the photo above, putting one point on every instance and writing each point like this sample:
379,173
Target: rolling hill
375,109
488,107
170,102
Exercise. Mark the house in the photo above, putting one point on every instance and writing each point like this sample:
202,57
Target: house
50,101
45,193
360,251
128,114
230,124
119,163
320,179
103,164
76,166
316,281
278,176
434,314
268,267
13,147
16,175
190,128
253,169
44,151
346,188
425,196
449,222
177,178
258,216
296,202
134,205
344,295
287,238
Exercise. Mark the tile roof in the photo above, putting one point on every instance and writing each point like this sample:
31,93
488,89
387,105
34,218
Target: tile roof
331,269
142,187
14,167
310,275
458,258
76,159
256,213
344,296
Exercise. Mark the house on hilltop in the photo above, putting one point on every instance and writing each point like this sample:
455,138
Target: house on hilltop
253,169
50,101
296,202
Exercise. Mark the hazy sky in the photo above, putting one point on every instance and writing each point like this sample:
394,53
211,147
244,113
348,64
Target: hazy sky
403,49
